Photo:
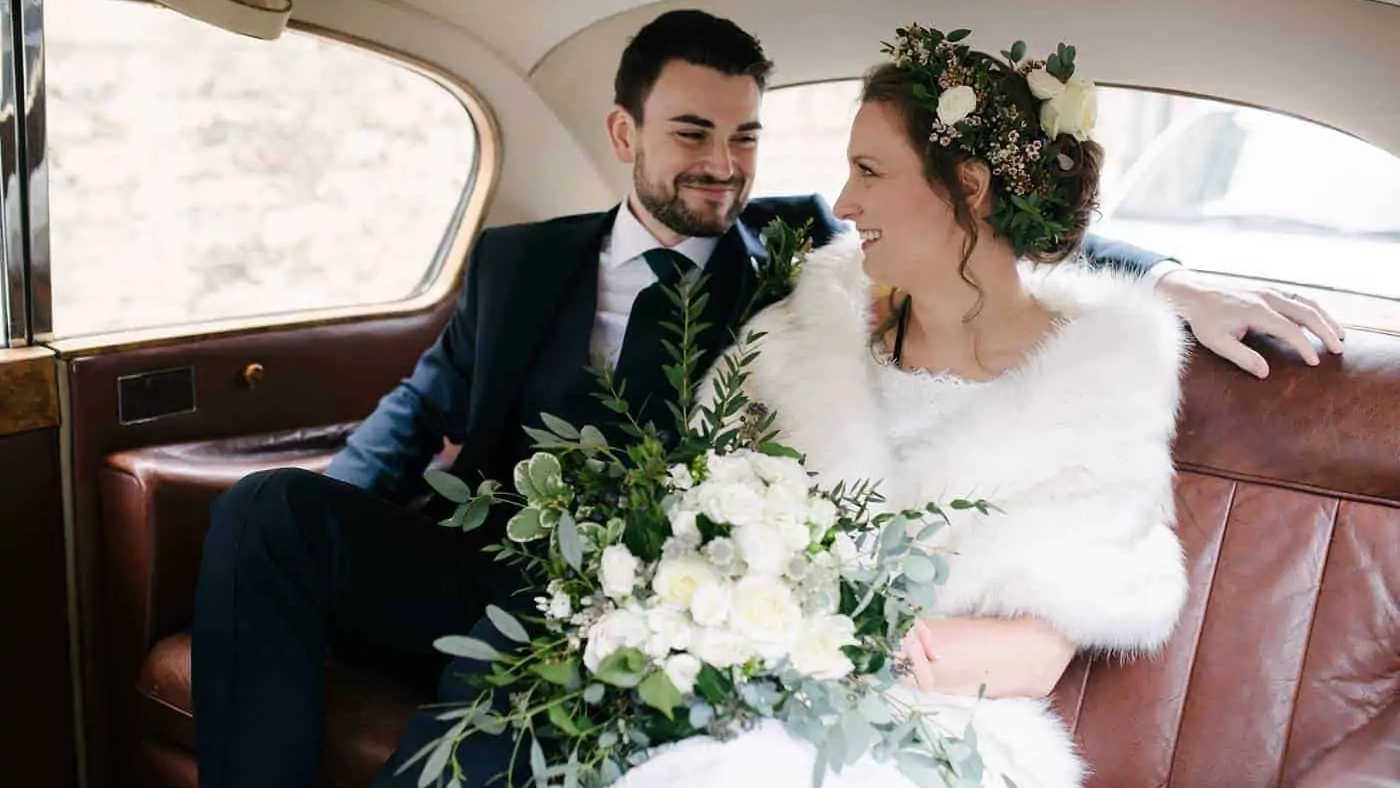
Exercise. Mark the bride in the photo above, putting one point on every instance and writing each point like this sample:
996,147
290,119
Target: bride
947,357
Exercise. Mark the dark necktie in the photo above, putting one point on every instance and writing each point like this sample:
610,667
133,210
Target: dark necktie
643,354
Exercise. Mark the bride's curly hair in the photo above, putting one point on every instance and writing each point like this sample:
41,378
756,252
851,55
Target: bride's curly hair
893,86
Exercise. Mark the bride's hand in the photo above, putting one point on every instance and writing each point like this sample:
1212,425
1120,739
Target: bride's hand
916,657
1017,657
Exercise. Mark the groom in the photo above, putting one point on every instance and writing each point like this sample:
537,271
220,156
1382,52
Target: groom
297,563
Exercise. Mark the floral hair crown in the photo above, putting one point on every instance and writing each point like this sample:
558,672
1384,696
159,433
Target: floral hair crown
1026,119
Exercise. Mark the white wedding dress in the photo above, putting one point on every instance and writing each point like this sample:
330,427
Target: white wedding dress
1073,448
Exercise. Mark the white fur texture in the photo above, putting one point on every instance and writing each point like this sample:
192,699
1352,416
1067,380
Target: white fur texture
1074,448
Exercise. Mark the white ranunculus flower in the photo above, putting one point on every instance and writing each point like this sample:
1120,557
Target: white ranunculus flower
677,578
1073,112
681,478
764,548
624,627
619,571
671,626
682,670
956,103
766,614
720,647
1044,85
818,649
711,603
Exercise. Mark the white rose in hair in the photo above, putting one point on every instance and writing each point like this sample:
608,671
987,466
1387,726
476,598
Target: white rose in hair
720,648
733,503
711,604
682,670
677,578
764,548
956,103
1073,112
1044,85
619,571
818,650
766,614
621,628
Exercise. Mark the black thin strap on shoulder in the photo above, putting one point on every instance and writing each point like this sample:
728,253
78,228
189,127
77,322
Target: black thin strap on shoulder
901,327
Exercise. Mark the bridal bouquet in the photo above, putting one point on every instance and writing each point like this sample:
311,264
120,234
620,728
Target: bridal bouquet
694,590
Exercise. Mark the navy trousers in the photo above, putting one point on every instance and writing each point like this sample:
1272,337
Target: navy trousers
297,564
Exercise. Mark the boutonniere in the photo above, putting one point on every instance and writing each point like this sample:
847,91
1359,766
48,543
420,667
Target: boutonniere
787,248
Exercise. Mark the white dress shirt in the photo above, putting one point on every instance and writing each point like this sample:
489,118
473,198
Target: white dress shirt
623,273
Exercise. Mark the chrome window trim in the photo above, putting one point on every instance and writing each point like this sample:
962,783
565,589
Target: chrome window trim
34,183
14,301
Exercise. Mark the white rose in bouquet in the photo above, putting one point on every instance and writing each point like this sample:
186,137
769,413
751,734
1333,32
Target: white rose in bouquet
764,548
785,506
683,525
677,578
682,670
735,468
734,503
624,627
818,649
781,470
766,614
720,647
671,630
619,574
711,604
821,514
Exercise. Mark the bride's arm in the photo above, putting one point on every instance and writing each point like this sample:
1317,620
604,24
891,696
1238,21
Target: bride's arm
1012,657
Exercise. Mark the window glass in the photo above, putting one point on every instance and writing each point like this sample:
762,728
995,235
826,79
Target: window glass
199,175
1231,190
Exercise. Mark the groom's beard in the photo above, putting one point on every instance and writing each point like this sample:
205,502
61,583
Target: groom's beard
664,201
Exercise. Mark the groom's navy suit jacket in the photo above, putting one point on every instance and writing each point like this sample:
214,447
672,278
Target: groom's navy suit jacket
517,344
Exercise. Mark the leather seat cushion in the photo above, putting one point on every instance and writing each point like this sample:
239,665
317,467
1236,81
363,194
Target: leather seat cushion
365,712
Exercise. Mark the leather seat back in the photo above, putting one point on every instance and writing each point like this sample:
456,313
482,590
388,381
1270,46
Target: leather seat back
1288,504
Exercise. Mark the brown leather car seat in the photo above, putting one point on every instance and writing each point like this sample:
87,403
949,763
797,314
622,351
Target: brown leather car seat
1284,671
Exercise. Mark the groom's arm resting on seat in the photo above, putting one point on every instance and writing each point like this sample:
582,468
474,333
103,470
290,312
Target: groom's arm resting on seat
1220,317
389,451
1012,658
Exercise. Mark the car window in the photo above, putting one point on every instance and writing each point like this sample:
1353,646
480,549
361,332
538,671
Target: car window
1239,192
197,175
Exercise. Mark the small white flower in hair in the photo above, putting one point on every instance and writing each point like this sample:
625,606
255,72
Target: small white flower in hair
956,104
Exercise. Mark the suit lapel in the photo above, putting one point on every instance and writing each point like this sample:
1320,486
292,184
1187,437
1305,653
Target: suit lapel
740,241
539,285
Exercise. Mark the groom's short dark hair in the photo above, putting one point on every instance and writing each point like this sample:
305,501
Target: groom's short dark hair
691,36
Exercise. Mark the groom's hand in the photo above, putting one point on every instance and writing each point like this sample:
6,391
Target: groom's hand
1220,317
